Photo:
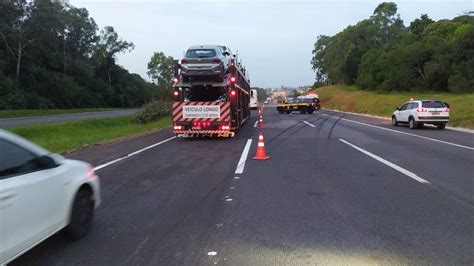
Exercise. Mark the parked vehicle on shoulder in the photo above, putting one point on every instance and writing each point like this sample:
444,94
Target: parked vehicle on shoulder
40,194
205,61
416,113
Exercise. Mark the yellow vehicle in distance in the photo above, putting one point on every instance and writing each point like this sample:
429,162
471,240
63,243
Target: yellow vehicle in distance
303,105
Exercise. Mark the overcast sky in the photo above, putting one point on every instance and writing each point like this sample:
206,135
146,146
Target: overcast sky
274,38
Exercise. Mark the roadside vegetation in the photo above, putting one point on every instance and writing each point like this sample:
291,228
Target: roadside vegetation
380,53
54,56
73,135
40,112
352,99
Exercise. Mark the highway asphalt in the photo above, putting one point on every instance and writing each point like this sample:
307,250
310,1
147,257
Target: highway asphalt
338,190
57,119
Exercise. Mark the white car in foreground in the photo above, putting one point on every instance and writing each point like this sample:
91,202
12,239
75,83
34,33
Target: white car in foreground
419,112
40,194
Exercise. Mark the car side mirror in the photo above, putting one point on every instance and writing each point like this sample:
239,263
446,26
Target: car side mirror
226,53
46,162
398,109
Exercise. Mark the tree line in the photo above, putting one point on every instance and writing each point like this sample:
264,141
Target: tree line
381,53
52,55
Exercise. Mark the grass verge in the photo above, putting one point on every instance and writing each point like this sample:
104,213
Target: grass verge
39,112
73,135
352,99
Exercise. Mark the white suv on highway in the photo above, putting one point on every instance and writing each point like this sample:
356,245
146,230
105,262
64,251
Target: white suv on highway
40,194
419,112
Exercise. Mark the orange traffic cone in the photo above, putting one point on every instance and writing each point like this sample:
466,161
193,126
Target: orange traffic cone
261,155
260,122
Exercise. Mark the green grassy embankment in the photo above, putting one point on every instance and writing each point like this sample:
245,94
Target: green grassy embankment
39,112
352,99
73,135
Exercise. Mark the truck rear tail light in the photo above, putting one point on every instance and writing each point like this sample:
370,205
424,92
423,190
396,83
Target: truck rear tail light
232,92
176,93
232,79
420,110
175,80
201,124
224,127
216,61
184,62
178,127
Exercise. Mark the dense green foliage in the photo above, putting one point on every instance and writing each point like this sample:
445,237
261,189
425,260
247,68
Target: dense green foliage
381,53
153,111
52,55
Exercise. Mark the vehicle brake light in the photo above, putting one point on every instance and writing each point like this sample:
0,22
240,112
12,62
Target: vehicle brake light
90,172
420,110
175,80
232,79
184,62
176,93
217,61
232,92
224,127
446,109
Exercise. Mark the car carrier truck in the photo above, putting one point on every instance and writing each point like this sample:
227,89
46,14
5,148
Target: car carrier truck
210,107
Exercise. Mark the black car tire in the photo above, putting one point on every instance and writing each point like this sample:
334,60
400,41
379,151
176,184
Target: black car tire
412,123
441,126
394,121
81,214
302,111
288,111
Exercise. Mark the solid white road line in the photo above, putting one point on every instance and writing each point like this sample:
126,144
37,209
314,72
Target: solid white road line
131,154
255,125
404,133
243,158
309,124
387,163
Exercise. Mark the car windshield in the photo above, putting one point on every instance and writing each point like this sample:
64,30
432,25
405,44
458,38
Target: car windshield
432,104
200,53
